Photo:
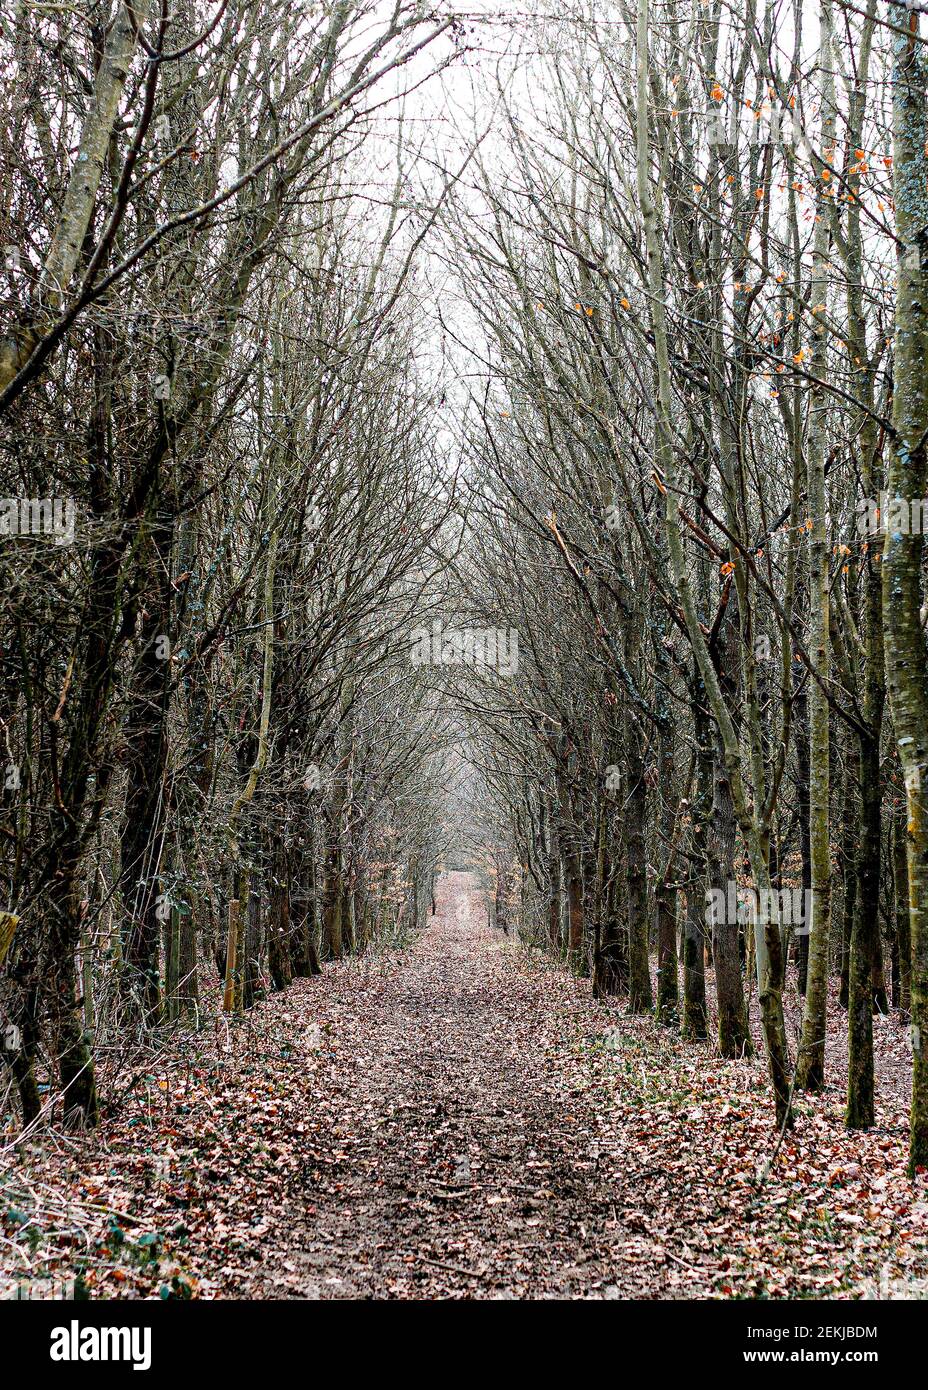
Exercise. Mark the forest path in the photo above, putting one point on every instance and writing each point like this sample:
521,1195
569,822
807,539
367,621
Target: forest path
458,1149
461,1119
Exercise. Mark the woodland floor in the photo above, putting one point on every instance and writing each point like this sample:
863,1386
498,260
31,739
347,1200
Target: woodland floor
461,1119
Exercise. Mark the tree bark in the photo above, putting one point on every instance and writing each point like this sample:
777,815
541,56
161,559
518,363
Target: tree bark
906,656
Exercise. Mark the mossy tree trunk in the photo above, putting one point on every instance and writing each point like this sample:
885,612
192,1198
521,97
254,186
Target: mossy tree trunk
810,1069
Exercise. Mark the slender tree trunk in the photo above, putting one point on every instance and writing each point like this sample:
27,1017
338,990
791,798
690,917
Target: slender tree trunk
810,1067
71,1044
802,810
734,1032
554,887
850,822
860,1099
146,741
278,919
254,939
640,999
695,1014
305,959
574,881
668,988
901,906
610,975
331,891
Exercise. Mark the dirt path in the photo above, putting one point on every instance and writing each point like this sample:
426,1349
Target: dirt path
461,1119
462,1159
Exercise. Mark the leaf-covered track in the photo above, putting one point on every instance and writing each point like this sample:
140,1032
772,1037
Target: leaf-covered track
455,1149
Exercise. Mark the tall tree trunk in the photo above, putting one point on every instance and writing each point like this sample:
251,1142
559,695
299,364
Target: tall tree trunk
574,881
810,1066
802,811
554,886
146,755
860,1099
695,1013
906,656
305,959
71,1044
640,999
865,933
850,821
901,913
665,898
331,889
278,918
734,1032
610,975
